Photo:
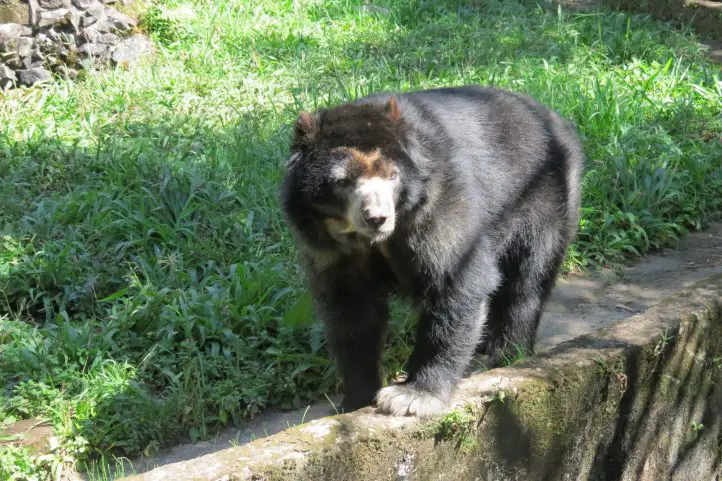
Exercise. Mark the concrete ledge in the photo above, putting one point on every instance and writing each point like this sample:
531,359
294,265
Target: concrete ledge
641,400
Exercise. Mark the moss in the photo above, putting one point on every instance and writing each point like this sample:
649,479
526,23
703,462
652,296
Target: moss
460,426
456,422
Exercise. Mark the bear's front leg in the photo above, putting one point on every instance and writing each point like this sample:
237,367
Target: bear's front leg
355,342
354,310
448,332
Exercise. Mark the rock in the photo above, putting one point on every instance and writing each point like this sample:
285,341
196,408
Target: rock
92,49
74,19
97,12
53,35
13,30
25,46
34,75
84,4
66,35
34,11
33,433
42,40
107,39
8,45
51,4
68,72
10,34
12,60
6,73
120,20
131,50
86,21
48,18
14,13
100,26
69,56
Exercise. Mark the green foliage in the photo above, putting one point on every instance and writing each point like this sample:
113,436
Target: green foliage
18,464
514,353
163,23
456,422
459,425
149,290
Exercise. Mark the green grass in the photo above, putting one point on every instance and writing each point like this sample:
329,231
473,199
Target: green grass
149,290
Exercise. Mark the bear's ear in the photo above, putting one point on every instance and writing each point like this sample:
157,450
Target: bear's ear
392,110
305,128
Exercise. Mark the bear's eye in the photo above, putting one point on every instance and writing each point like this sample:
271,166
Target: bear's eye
343,182
393,175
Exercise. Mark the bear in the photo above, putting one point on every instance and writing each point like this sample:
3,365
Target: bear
462,199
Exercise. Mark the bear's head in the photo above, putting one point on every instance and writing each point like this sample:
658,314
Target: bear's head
348,172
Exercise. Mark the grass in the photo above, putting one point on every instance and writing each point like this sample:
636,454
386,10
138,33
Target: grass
149,290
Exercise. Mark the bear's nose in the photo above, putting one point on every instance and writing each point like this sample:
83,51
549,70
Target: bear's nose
375,221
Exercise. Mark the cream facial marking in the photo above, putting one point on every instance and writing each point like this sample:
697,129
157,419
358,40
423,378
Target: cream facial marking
371,199
372,209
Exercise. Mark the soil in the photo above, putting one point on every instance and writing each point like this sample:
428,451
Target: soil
579,305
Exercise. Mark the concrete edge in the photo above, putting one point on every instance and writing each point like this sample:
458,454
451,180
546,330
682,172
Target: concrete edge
327,448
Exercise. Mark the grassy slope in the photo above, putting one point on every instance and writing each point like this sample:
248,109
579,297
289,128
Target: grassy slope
148,288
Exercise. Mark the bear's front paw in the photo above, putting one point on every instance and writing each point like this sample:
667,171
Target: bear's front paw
405,400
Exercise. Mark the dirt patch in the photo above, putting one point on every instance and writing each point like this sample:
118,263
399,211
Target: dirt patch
32,433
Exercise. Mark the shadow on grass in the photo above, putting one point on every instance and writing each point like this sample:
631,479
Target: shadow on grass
158,282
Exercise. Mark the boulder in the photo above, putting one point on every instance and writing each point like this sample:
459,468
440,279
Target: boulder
84,4
14,11
131,50
47,18
10,34
34,75
6,73
25,46
52,4
120,20
13,30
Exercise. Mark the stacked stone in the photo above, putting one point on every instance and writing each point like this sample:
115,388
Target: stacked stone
64,36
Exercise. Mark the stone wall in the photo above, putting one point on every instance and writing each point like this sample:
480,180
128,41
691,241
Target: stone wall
638,401
42,37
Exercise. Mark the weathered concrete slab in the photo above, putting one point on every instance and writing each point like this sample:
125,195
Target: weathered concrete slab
639,400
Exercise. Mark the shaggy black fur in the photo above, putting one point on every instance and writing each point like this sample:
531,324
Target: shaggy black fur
487,205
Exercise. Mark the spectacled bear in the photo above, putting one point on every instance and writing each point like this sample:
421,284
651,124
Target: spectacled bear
462,199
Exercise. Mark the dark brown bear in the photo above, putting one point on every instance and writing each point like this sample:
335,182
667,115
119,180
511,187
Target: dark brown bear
464,200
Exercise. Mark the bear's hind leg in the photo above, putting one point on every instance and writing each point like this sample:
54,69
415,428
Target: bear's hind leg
529,270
